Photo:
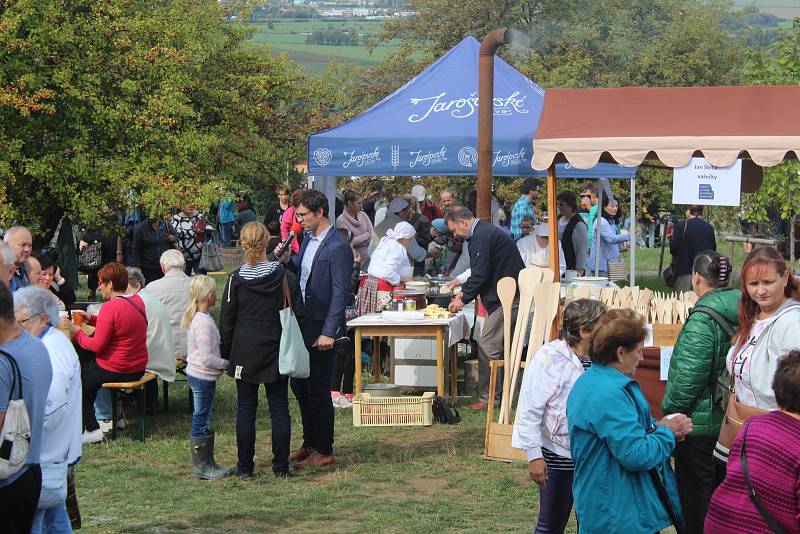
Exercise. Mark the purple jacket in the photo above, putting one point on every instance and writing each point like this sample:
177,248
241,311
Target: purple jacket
773,461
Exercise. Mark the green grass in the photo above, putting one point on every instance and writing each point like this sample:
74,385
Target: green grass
289,38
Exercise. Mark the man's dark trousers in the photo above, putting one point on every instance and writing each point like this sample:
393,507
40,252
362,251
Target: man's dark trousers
314,397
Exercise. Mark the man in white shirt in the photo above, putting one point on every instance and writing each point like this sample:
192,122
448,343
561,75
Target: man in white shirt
173,292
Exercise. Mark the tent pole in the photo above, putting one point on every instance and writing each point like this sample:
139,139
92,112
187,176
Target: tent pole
552,222
597,250
491,42
633,231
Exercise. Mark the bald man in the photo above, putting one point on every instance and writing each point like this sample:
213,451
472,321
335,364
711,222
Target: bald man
7,264
21,242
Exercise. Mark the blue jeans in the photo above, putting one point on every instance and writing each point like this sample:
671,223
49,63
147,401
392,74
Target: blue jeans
225,233
102,405
203,392
52,521
555,502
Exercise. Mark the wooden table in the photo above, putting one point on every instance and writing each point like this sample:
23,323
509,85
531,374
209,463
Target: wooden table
372,325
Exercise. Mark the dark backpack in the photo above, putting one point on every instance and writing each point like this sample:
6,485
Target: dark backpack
443,413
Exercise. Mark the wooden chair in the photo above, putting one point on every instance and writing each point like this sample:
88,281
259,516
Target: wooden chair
138,387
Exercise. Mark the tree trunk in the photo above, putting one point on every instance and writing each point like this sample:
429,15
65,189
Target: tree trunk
791,242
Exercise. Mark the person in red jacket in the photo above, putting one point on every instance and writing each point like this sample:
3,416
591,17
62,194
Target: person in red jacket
119,342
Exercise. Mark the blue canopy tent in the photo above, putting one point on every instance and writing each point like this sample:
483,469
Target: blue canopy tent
429,126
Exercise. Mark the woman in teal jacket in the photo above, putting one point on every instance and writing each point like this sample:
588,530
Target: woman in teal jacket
619,449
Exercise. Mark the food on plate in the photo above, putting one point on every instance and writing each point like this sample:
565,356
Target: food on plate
434,311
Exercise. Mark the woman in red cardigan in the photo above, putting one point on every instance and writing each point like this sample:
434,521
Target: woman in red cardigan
119,342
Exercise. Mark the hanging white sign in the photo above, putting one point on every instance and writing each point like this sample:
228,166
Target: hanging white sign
702,183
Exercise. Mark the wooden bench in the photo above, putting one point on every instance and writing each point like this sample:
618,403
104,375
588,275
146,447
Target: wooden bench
138,387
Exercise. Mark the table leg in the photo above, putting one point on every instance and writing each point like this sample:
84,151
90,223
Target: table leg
358,360
439,363
376,358
453,374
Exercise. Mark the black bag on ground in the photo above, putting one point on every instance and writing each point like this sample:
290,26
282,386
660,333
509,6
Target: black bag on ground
443,413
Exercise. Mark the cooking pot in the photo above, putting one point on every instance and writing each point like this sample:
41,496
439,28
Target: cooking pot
442,299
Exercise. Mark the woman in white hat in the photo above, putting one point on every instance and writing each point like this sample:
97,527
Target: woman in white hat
535,249
388,267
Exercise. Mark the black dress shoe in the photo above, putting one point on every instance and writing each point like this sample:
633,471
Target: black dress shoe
289,473
244,475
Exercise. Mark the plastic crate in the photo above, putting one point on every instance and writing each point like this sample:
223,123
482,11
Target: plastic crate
392,411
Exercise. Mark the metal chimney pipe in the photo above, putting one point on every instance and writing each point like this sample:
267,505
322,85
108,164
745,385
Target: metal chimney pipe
493,40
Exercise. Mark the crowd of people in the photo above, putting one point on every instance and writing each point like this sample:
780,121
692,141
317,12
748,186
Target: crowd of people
609,459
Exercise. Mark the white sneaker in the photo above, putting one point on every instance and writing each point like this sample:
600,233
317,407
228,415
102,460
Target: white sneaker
105,425
95,436
120,424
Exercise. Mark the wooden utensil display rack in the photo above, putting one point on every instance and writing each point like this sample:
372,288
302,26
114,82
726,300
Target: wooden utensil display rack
540,295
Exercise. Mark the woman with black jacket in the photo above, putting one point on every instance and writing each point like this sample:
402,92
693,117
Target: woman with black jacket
152,238
250,331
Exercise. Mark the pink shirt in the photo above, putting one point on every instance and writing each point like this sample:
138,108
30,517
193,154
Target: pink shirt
286,226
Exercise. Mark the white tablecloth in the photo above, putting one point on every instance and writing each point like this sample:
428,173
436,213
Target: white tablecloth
457,326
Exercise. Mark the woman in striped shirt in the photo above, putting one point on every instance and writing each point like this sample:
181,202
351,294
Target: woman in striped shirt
541,425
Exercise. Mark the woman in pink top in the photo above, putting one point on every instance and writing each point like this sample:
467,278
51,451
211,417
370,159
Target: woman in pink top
204,366
288,219
355,220
119,342
772,452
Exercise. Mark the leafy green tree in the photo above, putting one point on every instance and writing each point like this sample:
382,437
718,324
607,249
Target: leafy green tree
101,100
779,64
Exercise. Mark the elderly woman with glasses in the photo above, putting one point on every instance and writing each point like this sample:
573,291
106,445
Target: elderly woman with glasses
36,310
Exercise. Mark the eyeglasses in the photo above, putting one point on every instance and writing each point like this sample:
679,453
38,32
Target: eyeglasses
586,196
23,321
302,214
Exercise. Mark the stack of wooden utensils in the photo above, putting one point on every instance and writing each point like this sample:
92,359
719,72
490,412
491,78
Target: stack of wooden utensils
656,307
536,288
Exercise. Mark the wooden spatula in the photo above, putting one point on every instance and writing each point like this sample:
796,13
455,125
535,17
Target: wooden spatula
506,291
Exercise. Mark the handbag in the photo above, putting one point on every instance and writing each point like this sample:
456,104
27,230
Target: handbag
211,256
15,435
293,358
670,275
90,258
751,492
736,414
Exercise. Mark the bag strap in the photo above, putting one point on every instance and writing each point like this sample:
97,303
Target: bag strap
751,492
287,296
720,320
664,498
129,301
16,376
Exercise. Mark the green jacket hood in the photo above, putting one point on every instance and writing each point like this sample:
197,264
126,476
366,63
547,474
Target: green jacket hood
724,301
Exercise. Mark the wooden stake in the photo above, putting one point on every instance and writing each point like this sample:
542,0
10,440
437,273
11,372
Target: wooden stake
506,291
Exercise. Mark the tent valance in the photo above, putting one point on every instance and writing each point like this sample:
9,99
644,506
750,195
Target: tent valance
672,124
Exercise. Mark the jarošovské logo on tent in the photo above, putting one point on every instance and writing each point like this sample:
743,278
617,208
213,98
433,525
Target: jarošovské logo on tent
361,159
468,157
428,158
462,108
322,156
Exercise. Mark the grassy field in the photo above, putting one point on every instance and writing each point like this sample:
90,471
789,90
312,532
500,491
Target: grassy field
290,38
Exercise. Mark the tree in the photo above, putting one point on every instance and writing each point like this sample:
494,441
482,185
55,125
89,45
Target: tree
104,99
779,64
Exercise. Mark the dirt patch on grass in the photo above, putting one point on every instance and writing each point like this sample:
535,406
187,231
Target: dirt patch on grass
427,485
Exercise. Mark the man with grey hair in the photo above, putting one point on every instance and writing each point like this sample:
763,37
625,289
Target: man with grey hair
20,240
7,265
173,292
36,310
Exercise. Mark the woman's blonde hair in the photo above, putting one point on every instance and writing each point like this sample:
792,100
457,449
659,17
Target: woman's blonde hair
200,289
254,238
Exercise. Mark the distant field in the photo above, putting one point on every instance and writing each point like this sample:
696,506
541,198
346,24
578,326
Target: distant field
786,9
290,38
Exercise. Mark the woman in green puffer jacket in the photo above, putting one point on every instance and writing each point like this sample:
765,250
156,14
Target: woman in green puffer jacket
697,360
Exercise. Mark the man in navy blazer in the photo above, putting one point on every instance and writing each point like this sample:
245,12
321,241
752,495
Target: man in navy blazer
324,272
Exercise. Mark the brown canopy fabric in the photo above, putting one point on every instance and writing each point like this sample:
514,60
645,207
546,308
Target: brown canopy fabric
631,124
